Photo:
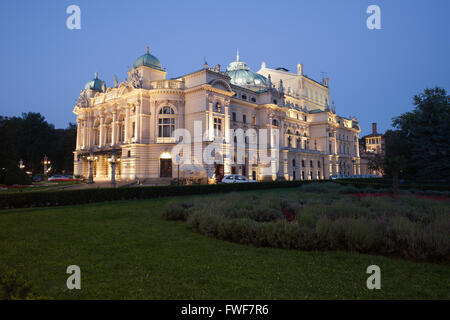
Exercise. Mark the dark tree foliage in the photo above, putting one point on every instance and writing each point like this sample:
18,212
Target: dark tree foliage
426,132
397,153
29,138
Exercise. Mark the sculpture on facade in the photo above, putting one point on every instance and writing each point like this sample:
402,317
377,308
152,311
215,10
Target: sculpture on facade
116,82
136,78
83,99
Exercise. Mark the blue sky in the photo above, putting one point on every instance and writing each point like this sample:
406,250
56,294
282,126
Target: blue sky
373,73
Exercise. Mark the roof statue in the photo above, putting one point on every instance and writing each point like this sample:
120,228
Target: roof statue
83,99
136,79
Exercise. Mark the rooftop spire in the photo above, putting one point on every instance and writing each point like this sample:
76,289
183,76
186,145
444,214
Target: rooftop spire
148,49
237,55
96,75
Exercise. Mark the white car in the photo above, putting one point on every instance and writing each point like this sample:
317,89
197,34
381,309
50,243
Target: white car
235,178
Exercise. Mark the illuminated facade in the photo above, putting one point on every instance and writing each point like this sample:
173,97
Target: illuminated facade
135,121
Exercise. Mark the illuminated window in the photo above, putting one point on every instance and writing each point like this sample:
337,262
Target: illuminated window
166,122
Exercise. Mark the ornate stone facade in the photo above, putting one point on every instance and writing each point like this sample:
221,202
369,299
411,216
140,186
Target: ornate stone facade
135,121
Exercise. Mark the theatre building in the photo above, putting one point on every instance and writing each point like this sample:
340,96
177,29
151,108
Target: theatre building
132,123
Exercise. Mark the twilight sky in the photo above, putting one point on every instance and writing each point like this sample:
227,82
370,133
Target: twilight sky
373,73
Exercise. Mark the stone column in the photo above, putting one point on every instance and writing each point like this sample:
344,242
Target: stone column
227,148
153,123
210,121
127,124
86,125
79,142
137,126
113,128
102,131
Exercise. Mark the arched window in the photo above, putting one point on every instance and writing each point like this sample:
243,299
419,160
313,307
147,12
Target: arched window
166,122
166,110
275,122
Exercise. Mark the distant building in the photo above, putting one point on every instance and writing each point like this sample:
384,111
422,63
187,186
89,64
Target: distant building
372,143
370,146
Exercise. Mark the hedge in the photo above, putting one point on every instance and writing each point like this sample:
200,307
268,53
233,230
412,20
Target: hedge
74,197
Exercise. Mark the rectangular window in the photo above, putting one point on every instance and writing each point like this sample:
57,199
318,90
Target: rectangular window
166,127
234,116
217,126
244,118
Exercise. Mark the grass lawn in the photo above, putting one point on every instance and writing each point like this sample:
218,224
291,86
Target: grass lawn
126,250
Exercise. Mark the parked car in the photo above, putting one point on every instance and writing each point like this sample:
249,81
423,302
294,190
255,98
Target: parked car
236,178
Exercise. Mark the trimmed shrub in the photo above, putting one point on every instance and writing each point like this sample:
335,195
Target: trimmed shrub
417,229
178,210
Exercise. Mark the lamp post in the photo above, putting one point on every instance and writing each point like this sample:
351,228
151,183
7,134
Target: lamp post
113,161
21,165
91,159
46,163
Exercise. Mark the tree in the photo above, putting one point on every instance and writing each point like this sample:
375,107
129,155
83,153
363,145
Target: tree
29,138
397,153
376,163
427,130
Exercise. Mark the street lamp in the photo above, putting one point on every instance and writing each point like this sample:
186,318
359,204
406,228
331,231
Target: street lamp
113,161
91,159
21,165
46,163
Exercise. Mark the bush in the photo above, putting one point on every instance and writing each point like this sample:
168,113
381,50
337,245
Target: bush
178,210
14,175
415,229
14,287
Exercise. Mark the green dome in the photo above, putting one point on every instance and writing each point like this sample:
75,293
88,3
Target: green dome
241,75
247,78
95,84
148,60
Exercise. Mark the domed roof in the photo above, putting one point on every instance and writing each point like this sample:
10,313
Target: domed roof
95,84
148,60
241,75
